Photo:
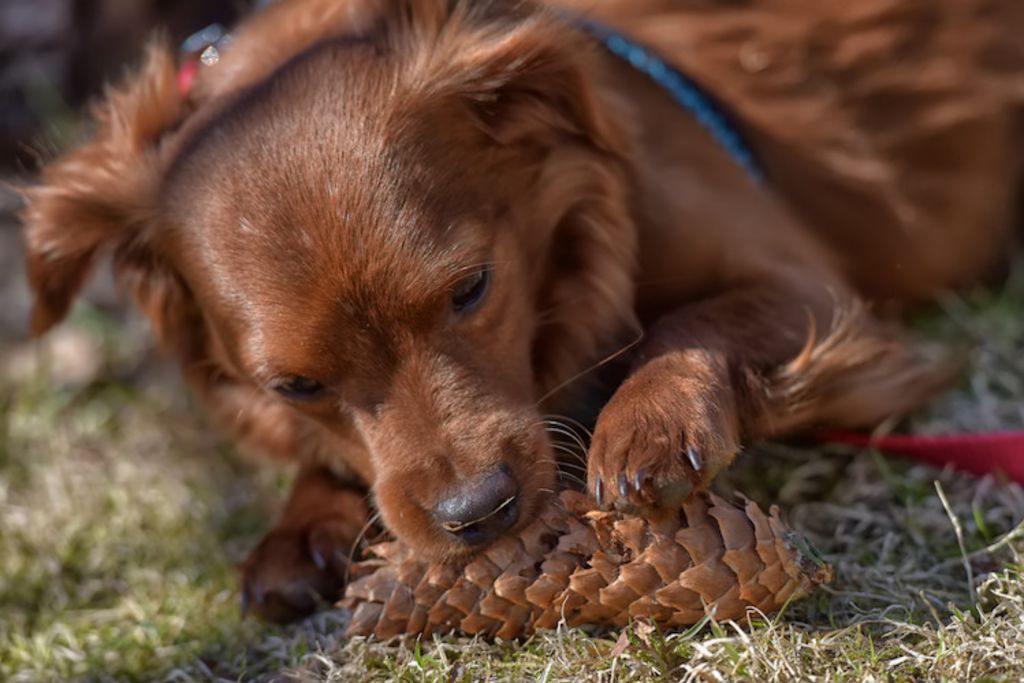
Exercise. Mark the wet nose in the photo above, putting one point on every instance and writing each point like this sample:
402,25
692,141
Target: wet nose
481,510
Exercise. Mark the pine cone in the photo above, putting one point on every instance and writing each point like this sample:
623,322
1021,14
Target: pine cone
591,567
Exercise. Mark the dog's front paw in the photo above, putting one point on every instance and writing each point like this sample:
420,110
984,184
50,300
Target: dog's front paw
663,435
294,570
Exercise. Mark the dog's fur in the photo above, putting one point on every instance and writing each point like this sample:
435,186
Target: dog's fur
308,207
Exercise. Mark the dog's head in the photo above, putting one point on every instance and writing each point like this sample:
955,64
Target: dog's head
417,230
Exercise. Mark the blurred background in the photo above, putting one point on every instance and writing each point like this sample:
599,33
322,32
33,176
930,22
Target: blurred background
55,55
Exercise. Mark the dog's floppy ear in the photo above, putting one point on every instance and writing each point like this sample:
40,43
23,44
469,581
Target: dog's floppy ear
103,192
523,75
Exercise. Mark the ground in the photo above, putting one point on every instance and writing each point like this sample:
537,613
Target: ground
123,516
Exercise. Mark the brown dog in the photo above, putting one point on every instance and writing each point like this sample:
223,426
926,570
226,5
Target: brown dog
384,236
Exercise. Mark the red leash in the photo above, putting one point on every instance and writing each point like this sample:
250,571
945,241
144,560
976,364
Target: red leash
976,453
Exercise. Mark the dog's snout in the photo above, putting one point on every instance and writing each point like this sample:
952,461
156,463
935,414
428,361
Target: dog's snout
482,509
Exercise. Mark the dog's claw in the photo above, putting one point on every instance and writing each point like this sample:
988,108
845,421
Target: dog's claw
693,455
623,485
250,593
639,479
318,559
599,493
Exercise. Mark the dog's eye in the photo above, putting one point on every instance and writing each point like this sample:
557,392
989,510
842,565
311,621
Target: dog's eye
471,290
299,388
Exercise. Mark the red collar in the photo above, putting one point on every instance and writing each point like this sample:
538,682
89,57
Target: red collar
187,73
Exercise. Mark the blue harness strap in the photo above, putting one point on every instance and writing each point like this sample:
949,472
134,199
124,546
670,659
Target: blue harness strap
684,91
681,88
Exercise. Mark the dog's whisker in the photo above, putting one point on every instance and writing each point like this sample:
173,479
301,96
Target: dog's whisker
553,424
571,450
569,473
243,410
554,421
565,431
571,478
565,419
573,466
572,436
639,337
568,447
561,473
572,471
559,464
574,480
371,520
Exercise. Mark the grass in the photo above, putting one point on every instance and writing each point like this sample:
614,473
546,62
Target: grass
122,517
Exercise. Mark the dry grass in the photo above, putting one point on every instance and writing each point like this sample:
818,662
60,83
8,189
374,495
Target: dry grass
121,517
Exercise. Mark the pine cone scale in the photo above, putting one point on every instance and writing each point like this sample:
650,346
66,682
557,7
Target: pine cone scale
591,567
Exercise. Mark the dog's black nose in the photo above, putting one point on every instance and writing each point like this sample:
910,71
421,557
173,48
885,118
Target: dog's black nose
482,510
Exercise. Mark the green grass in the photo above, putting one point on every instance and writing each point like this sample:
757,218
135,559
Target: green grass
122,517
113,537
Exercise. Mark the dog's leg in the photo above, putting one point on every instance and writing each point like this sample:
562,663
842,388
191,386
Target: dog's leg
752,362
303,559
